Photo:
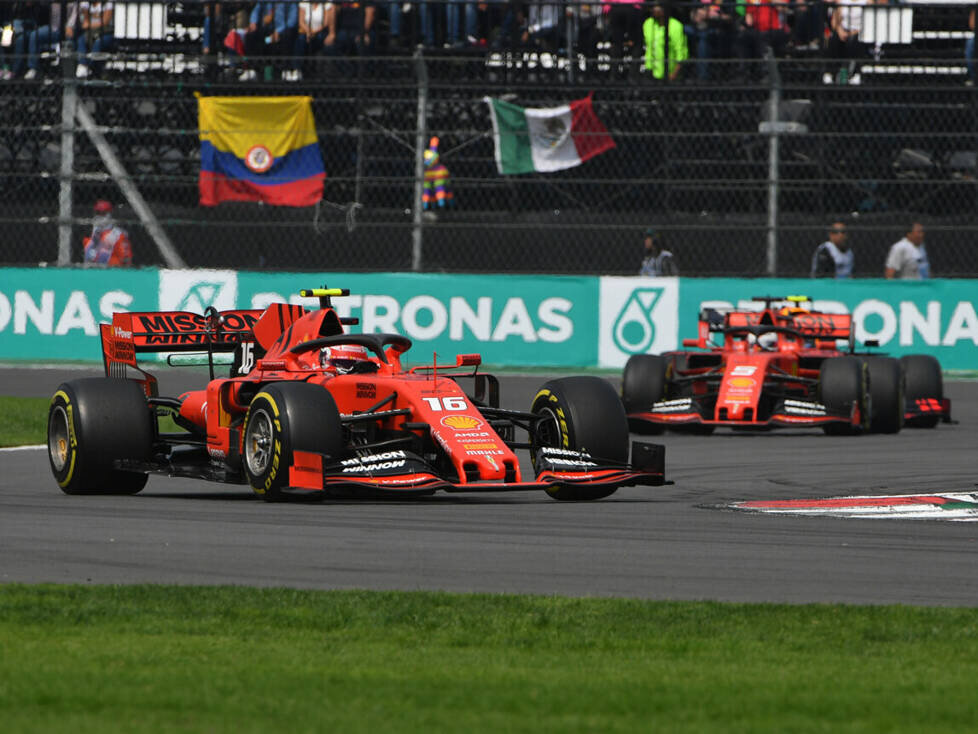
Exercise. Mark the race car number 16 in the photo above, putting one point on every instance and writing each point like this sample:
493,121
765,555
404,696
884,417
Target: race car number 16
452,403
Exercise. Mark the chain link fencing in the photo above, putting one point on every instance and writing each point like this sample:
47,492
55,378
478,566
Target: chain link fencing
734,188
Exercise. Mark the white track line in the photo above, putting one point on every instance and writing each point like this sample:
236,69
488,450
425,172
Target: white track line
34,447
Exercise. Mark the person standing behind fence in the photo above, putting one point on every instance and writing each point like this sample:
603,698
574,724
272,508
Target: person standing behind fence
96,33
108,244
907,258
833,258
659,260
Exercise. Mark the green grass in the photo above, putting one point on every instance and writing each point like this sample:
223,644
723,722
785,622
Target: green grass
160,659
24,421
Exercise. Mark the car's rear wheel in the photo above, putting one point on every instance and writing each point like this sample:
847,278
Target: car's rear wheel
886,393
92,423
922,373
284,418
581,414
843,383
643,384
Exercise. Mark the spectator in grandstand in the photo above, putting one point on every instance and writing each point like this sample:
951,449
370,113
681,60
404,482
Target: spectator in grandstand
108,244
351,31
907,258
17,21
625,20
466,12
47,35
710,29
96,33
807,24
833,258
969,49
312,33
664,35
844,46
658,260
544,26
272,30
762,27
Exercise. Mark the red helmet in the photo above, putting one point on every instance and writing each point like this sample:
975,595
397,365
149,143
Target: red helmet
103,206
342,359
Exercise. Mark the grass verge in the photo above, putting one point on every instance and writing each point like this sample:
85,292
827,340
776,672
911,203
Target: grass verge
24,421
159,659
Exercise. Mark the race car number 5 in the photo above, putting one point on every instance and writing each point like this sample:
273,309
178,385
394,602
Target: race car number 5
452,403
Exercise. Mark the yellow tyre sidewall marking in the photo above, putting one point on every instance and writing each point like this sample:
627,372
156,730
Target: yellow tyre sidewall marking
72,436
276,445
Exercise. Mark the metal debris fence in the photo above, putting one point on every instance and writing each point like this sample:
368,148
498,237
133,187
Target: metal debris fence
742,173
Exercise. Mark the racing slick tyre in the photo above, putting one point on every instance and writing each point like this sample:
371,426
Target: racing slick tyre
844,382
886,393
282,418
922,374
92,423
582,414
643,383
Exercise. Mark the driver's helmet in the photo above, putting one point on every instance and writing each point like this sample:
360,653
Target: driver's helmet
789,312
342,359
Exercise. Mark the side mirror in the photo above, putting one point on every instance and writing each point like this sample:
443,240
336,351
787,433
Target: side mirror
691,342
468,360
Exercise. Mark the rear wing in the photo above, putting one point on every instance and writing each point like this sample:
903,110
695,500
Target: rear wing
130,334
821,328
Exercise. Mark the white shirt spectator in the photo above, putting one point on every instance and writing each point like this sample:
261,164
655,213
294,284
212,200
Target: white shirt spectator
908,261
850,15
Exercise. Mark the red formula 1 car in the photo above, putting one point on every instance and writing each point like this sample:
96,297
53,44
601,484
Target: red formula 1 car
781,366
310,409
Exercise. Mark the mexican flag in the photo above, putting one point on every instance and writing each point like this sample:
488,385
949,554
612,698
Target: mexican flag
546,139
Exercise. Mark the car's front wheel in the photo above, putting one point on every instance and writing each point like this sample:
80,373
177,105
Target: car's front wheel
283,418
581,414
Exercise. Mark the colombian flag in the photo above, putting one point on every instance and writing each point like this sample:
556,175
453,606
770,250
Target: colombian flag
259,149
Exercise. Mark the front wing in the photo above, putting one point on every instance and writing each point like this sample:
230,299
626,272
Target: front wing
787,413
408,473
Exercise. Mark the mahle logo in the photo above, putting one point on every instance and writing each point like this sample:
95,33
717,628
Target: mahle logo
634,328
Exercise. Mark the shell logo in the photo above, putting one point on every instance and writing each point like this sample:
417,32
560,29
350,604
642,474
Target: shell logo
461,422
742,382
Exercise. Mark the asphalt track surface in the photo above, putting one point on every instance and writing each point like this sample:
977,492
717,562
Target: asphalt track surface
656,543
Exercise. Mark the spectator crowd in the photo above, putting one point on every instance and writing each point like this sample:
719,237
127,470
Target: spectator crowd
661,40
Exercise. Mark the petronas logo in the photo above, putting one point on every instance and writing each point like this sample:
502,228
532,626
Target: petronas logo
634,329
200,295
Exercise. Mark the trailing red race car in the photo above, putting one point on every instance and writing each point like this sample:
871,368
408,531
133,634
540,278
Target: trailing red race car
781,366
310,409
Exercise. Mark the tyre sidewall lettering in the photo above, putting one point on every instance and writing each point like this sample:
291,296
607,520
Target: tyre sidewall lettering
61,397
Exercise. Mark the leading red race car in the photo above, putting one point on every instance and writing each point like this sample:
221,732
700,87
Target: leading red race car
781,366
309,409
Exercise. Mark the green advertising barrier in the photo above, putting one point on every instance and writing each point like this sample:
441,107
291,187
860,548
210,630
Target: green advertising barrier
53,314
511,320
936,317
516,320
